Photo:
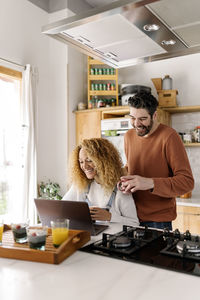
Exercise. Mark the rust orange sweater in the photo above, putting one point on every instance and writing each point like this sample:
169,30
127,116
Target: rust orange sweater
160,156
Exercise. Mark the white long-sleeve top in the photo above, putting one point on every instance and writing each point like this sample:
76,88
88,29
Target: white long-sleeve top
122,210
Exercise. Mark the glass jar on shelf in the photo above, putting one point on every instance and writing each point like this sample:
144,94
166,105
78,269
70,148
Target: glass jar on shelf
112,87
108,102
104,87
90,104
94,102
113,101
112,71
108,86
96,86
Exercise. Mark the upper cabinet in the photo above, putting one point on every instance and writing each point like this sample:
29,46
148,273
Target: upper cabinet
102,84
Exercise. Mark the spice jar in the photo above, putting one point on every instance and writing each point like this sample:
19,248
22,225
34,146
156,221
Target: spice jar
90,104
113,102
108,86
104,86
112,87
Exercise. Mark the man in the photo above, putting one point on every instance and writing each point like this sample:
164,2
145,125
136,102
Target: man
157,163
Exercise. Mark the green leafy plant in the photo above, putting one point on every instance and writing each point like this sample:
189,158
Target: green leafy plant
49,190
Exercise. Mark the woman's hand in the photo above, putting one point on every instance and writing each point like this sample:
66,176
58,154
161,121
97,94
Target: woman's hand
100,214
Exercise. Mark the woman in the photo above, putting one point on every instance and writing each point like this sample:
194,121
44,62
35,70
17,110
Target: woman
95,169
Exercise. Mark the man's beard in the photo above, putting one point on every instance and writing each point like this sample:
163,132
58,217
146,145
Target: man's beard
144,129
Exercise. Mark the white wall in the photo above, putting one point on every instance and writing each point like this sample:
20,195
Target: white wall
77,79
184,70
21,41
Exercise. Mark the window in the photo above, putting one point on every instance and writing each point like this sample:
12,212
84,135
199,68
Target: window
11,139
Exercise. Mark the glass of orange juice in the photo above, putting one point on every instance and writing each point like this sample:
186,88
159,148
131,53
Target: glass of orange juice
1,230
60,231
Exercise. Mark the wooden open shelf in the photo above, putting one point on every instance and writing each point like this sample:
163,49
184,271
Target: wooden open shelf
52,255
182,109
102,77
191,144
102,93
93,63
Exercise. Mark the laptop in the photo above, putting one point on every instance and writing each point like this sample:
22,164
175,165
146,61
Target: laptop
76,211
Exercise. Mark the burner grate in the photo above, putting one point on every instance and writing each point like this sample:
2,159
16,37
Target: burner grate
134,239
172,251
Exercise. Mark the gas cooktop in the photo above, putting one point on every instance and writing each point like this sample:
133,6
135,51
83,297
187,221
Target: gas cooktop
159,248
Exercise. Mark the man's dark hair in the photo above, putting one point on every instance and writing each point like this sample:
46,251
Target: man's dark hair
144,100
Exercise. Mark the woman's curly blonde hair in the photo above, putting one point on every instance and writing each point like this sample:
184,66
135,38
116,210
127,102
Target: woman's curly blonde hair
107,161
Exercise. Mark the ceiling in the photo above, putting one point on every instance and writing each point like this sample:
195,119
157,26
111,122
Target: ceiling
77,6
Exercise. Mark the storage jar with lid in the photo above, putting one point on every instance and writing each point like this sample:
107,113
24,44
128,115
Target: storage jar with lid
167,83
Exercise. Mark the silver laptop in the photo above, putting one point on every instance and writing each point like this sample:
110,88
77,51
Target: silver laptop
76,211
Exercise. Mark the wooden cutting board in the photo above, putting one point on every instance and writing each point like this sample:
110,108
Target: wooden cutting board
52,255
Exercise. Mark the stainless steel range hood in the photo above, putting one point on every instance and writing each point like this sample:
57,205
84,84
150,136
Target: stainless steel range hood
126,33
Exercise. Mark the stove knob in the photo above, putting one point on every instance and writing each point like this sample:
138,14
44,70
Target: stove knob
124,228
177,233
104,239
166,231
185,251
187,235
169,240
130,233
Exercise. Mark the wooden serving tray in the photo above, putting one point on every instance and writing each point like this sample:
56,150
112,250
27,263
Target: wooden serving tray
51,255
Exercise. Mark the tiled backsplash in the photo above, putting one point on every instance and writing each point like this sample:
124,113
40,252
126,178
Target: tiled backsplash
185,122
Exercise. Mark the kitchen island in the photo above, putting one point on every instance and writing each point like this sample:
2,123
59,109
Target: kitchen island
92,277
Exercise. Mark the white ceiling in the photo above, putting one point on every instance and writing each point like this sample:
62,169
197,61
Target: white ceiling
97,3
77,6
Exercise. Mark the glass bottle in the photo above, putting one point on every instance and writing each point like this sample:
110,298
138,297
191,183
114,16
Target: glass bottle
167,83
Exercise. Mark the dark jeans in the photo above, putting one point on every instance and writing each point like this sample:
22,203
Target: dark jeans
160,225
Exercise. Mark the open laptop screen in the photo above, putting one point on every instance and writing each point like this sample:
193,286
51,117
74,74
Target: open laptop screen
76,211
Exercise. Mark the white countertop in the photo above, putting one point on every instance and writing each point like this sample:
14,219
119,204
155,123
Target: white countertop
193,201
84,276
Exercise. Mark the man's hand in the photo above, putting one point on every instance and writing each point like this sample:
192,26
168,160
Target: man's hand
132,183
100,214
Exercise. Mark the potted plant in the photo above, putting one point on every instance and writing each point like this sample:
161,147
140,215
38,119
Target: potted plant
49,190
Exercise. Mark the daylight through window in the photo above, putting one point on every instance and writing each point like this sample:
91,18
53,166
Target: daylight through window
11,143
